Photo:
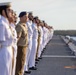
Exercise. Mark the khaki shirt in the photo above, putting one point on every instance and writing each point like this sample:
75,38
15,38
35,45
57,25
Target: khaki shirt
39,32
22,34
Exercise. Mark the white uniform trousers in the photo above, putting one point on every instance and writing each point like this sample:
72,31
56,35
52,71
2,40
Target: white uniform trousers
43,41
28,54
33,53
15,55
6,60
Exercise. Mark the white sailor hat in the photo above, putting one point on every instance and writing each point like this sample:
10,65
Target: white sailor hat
5,4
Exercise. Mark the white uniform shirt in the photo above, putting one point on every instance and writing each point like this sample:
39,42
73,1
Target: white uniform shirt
41,30
44,32
14,38
6,36
35,31
14,33
30,31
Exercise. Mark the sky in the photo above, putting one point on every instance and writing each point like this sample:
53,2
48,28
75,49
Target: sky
61,14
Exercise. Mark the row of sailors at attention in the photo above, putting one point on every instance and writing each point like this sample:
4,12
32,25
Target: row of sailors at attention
21,44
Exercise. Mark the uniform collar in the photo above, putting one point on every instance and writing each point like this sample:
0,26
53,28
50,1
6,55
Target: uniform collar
12,25
29,22
5,19
22,23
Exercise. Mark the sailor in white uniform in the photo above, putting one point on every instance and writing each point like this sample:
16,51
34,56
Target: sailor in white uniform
12,23
47,34
44,36
30,34
6,40
34,46
51,32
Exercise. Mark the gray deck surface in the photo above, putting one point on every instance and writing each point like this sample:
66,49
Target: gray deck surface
57,59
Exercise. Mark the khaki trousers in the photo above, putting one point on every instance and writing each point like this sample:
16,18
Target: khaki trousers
21,54
38,47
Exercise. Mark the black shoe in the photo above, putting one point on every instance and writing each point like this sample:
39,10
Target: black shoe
32,68
45,48
37,59
36,62
27,72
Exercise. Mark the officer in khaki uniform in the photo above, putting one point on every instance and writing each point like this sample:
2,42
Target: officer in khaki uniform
41,40
22,43
39,36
